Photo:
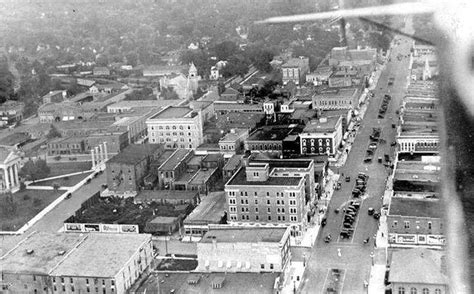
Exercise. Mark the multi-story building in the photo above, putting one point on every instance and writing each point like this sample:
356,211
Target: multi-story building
101,71
256,196
9,167
244,249
173,168
295,70
233,142
126,170
344,98
415,222
76,263
71,145
270,138
176,127
419,270
11,112
320,76
322,136
54,97
346,55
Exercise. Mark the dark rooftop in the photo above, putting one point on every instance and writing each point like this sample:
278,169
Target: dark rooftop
242,234
150,195
174,159
240,179
274,133
233,162
209,211
405,206
135,153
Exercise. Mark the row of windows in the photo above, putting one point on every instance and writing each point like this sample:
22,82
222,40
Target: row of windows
174,127
246,201
88,289
233,209
71,280
293,218
320,141
406,225
413,290
159,134
334,102
246,194
264,146
224,147
313,150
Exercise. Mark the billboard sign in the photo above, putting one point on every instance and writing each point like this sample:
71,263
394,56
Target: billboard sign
102,228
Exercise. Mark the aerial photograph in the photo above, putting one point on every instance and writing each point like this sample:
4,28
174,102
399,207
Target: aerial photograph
236,146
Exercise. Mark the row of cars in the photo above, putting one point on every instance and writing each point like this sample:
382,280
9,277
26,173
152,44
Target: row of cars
384,106
360,186
350,214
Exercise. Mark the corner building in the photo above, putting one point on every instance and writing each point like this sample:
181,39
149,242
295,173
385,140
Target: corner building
256,197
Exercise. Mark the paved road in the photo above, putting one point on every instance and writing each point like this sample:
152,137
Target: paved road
354,259
53,221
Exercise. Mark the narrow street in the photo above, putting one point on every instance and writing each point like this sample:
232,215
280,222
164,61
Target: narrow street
351,256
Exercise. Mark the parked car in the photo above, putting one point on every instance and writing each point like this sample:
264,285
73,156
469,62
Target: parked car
377,215
345,234
324,221
347,225
355,203
393,143
69,195
370,211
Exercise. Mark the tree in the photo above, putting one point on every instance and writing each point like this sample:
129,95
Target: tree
225,49
53,133
34,170
132,58
6,83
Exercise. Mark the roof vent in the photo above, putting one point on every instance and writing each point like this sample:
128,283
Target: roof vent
29,251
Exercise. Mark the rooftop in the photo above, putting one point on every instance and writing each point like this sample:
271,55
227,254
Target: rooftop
327,124
233,162
135,153
209,211
45,247
286,163
175,159
101,255
14,139
143,103
405,206
164,219
234,283
418,265
233,135
273,133
416,176
296,62
172,112
336,93
242,234
203,175
240,179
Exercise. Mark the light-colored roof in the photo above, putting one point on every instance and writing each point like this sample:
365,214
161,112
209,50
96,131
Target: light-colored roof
209,211
327,124
247,235
172,112
101,255
418,265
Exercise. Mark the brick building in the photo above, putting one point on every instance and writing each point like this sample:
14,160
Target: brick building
244,249
76,263
126,170
294,70
415,221
343,98
322,136
256,196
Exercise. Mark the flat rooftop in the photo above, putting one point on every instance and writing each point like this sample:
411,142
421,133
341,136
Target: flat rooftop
45,255
285,163
419,266
240,179
336,93
233,283
418,166
405,206
233,162
135,153
322,125
273,133
234,135
203,176
416,176
209,211
101,255
172,112
174,159
244,235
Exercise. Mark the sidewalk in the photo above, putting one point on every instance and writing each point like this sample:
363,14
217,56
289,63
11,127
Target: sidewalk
293,277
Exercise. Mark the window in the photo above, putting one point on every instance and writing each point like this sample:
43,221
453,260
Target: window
395,223
256,201
72,288
255,193
34,278
427,291
256,209
268,193
262,266
71,280
256,217
87,281
55,288
437,291
269,217
268,201
62,280
407,224
271,265
429,225
268,209
401,290
412,290
64,288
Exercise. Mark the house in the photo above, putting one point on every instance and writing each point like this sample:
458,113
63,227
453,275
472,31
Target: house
270,138
419,270
320,76
54,96
230,94
295,70
244,249
231,166
163,225
101,71
11,112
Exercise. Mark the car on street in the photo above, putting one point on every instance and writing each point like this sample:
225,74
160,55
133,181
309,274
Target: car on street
347,225
393,143
345,235
368,160
371,211
373,145
355,203
377,215
324,221
348,179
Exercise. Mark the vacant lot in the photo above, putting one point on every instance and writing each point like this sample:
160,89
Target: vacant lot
62,168
18,208
66,181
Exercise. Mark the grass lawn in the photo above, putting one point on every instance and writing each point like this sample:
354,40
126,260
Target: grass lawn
177,265
23,206
61,168
67,182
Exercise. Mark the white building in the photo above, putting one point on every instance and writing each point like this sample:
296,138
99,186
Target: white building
176,127
322,136
9,166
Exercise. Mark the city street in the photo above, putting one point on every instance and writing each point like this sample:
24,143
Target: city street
352,256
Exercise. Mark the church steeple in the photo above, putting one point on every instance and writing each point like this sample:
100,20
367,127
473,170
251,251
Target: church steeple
192,71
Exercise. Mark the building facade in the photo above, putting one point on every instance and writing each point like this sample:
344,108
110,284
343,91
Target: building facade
9,167
254,196
244,249
176,127
322,137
